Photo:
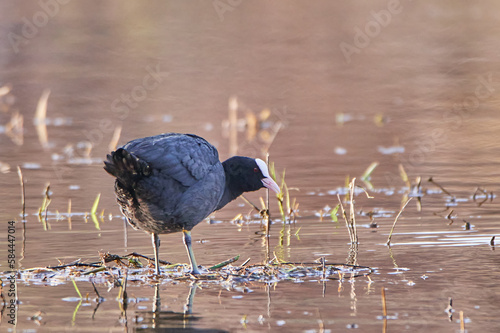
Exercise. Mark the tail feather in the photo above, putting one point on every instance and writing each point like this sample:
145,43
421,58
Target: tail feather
126,167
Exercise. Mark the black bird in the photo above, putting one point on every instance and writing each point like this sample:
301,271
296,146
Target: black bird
171,182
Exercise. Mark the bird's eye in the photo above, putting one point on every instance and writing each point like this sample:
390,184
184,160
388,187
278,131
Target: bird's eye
255,170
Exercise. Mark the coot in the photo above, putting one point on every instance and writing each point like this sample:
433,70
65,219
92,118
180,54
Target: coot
171,182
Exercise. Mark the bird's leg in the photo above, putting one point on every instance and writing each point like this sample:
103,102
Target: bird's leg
187,243
156,245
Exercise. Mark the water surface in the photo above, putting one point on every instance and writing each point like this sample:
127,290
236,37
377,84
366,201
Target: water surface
420,90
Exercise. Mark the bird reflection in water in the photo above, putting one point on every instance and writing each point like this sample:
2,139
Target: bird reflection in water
157,320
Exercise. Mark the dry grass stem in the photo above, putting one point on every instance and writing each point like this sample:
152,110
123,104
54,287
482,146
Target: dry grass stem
69,214
351,220
41,118
384,305
396,220
23,192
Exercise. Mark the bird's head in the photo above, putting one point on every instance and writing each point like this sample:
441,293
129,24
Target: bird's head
248,174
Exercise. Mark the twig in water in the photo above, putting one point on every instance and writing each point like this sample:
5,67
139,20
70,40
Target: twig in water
450,217
124,292
449,309
384,310
352,213
396,220
462,323
466,225
250,203
245,262
23,192
430,180
135,254
351,221
76,264
69,214
418,193
96,292
480,191
492,241
323,267
384,305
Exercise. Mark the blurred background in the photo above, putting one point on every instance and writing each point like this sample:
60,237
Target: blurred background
326,88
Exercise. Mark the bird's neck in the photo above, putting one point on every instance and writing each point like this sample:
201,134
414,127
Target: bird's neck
231,192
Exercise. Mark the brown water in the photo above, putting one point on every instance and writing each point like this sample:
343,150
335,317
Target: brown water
419,87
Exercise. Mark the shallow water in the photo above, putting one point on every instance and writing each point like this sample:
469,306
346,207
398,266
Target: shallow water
421,89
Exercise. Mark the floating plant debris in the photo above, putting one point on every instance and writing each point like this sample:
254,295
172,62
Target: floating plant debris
101,271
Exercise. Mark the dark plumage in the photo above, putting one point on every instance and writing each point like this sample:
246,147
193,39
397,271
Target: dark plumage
171,182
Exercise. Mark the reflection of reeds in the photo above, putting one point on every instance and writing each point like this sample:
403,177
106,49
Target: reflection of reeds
404,176
93,212
480,196
384,310
14,128
366,177
41,118
76,288
415,191
44,208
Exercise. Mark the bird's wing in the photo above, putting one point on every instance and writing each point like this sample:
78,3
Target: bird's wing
177,163
183,158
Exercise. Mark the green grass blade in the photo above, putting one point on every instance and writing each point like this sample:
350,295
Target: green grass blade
368,171
96,203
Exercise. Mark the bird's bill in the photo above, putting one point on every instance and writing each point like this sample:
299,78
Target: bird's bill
271,184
